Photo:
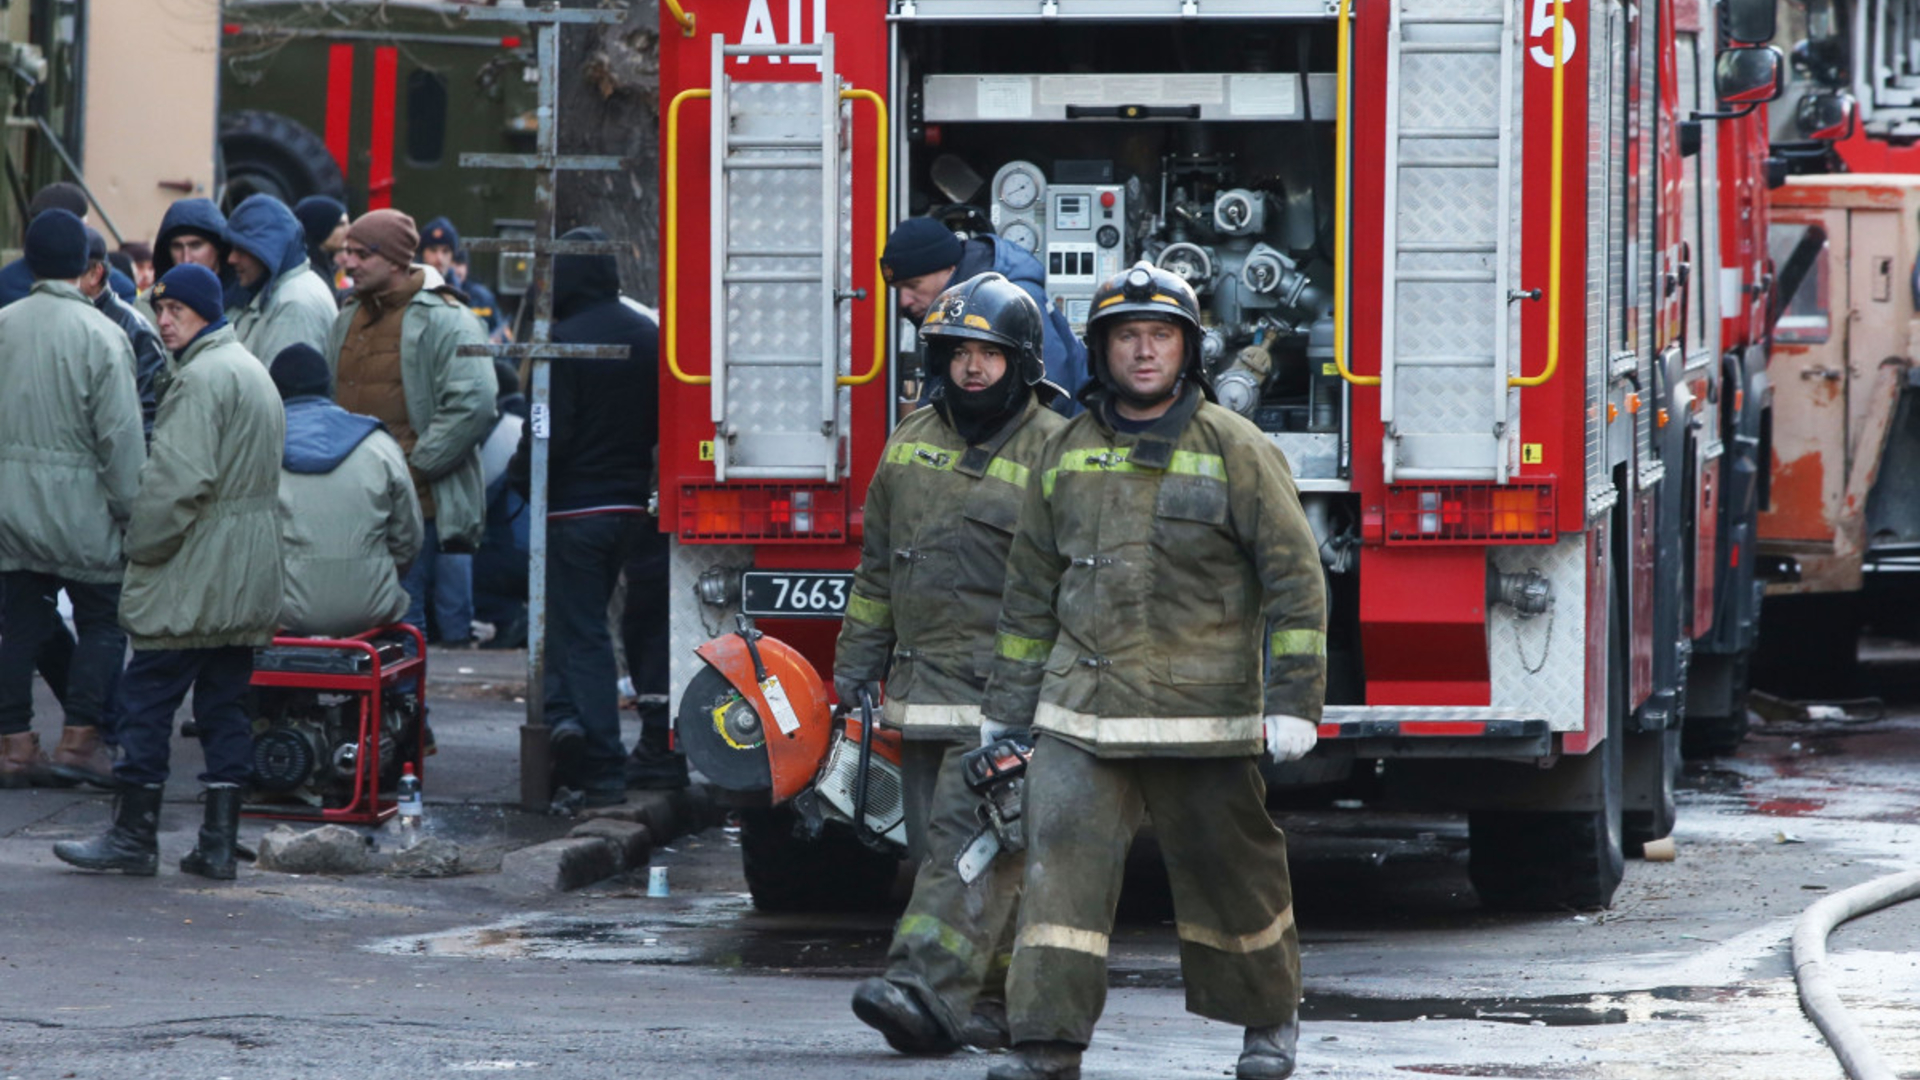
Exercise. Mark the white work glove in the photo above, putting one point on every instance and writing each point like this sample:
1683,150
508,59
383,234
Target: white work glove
1289,737
993,729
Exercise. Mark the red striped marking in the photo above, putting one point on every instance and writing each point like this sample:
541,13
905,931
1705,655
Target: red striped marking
339,103
386,69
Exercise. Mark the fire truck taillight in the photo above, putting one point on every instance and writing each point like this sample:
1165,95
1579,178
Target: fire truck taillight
761,512
1470,514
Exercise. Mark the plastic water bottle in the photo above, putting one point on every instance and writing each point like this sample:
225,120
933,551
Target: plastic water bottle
411,817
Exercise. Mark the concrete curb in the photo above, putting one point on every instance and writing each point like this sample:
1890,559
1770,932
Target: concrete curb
609,841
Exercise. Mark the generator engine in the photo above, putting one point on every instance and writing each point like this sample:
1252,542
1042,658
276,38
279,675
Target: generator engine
307,746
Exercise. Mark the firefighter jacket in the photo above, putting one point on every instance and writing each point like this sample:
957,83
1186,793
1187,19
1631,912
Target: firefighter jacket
70,440
203,544
450,405
1163,592
939,518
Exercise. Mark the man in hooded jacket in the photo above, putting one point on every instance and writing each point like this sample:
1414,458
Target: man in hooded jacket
604,425
287,305
194,231
349,520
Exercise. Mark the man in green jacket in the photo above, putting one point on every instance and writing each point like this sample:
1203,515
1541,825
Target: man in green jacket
349,521
70,454
395,354
286,304
1163,623
939,519
203,581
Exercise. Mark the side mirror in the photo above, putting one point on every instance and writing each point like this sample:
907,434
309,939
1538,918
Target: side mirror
1750,22
1828,116
1749,75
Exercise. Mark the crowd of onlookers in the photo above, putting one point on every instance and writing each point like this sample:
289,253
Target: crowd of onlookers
280,420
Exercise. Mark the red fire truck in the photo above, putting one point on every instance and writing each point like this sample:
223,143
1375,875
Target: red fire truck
1489,272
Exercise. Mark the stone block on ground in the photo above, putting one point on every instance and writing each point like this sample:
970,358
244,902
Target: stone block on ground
329,849
634,841
559,865
430,857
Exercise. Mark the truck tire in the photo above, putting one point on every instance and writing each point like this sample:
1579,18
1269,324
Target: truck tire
835,872
268,154
1652,762
1551,860
1718,731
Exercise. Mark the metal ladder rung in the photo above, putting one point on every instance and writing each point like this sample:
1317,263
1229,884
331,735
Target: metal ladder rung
810,362
793,164
773,50
1442,48
1449,133
770,142
1445,277
769,277
1454,20
1453,163
771,253
1441,247
1445,361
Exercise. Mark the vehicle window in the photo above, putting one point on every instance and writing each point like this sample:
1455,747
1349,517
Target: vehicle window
426,118
1808,318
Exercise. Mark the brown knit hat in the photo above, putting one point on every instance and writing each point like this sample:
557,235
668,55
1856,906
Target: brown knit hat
389,234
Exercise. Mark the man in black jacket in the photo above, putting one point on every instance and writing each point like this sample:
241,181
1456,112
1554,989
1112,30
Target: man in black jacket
604,423
149,356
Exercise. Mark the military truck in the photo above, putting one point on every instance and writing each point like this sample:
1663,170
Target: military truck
372,102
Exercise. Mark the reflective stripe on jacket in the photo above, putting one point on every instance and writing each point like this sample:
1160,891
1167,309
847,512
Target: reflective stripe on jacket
1164,591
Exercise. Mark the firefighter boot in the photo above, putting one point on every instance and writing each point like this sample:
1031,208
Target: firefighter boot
654,765
986,1027
1268,1052
22,763
894,1012
131,846
213,855
1038,1061
82,757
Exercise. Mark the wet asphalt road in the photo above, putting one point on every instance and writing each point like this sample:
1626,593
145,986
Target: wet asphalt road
275,976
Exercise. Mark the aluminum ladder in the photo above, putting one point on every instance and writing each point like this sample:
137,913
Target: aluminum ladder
777,336
1451,135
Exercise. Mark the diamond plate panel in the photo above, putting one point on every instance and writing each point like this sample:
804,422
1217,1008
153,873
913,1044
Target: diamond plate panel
1450,90
1554,644
1457,206
1443,319
690,622
1443,401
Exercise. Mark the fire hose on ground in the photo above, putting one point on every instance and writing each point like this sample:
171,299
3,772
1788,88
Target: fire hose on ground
1817,996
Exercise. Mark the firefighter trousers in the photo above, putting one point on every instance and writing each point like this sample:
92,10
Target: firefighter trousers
953,943
1226,861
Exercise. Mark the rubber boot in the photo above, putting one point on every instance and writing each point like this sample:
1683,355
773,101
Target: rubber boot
986,1027
82,758
654,765
213,856
895,1013
1038,1061
131,846
22,762
1268,1053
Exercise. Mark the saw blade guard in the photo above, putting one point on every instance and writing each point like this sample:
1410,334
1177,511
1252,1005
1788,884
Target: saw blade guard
774,706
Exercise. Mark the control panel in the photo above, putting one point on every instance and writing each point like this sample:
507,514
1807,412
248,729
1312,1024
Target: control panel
1085,243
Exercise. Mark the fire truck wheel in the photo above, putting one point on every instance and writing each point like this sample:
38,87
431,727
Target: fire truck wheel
1652,768
266,153
1716,722
833,873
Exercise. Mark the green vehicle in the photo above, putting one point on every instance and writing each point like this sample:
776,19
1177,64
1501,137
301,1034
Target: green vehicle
372,102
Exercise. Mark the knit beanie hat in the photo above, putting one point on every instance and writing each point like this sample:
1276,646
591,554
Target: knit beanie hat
193,285
59,195
389,234
96,246
440,233
300,371
57,246
919,246
319,216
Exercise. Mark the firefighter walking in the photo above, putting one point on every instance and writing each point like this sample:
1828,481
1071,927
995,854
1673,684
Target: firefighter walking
1163,624
940,515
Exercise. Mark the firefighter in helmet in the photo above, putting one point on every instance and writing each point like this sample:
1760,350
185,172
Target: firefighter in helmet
939,519
1163,625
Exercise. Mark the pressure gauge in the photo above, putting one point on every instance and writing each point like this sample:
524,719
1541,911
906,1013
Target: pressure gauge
1019,184
1022,235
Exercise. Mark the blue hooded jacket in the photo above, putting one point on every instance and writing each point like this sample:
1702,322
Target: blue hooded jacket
1063,353
264,228
200,216
321,434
